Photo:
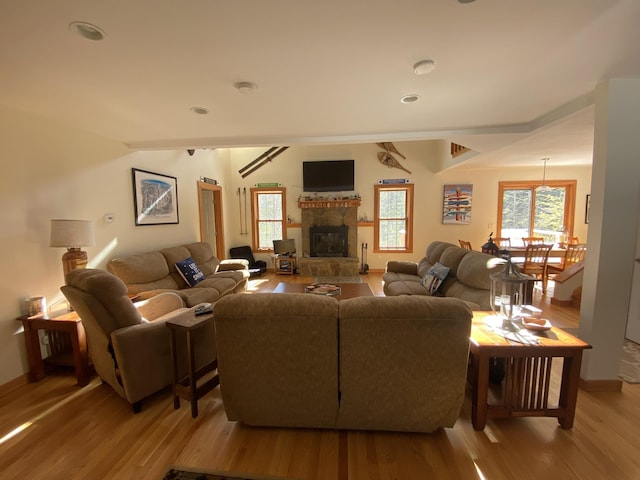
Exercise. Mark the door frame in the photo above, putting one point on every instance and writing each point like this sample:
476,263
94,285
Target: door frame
217,212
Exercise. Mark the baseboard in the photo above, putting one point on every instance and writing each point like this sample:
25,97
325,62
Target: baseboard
601,385
561,303
11,385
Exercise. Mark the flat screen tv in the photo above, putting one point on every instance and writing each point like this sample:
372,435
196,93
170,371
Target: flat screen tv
328,176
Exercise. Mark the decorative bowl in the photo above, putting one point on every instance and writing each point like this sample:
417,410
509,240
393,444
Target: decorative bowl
536,324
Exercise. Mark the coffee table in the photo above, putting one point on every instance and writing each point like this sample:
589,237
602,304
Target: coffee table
526,386
348,290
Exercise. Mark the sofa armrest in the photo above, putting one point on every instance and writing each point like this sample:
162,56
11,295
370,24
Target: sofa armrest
159,305
410,268
233,264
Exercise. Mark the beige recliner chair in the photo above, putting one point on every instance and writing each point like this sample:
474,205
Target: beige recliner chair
129,343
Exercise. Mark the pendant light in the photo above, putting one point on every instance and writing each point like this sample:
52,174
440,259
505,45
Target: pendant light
544,177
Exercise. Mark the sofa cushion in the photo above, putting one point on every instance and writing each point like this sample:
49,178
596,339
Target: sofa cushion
189,271
403,362
475,269
202,253
146,267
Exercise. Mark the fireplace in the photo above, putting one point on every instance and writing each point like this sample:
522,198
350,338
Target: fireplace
326,241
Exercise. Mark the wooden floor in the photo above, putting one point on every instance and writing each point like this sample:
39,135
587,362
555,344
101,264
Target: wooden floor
69,432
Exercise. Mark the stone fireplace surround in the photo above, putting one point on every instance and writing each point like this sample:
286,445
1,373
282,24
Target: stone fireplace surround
332,213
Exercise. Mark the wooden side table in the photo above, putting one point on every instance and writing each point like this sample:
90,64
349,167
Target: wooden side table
70,324
526,387
188,387
285,264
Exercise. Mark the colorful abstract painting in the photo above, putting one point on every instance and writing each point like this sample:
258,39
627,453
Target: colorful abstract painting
457,204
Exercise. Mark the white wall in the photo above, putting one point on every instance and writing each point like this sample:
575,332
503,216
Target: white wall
53,171
423,158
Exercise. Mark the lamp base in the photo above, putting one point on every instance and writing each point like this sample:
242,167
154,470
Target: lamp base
73,259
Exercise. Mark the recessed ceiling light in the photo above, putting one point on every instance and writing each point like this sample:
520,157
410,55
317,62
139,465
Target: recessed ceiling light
87,30
410,98
245,88
199,110
423,67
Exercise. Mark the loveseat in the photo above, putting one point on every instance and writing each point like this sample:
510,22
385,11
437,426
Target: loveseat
150,273
367,363
468,277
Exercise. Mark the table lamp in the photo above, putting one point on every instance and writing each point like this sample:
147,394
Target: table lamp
72,234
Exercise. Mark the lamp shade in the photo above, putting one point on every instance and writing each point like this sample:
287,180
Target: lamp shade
72,233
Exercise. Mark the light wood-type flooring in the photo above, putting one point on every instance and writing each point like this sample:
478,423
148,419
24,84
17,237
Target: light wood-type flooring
69,432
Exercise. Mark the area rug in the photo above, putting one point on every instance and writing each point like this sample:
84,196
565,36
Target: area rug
337,280
185,473
629,363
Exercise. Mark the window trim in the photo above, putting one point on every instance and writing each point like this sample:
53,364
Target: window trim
570,187
255,193
407,187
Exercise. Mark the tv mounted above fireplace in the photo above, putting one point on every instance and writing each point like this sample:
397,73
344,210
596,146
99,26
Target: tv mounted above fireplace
328,176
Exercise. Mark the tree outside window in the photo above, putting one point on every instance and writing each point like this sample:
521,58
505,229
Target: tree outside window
393,222
268,217
526,210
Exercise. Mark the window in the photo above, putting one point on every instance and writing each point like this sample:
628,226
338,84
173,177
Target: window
524,211
268,215
393,222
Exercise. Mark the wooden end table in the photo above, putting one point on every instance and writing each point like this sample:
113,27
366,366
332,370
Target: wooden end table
187,387
70,324
526,385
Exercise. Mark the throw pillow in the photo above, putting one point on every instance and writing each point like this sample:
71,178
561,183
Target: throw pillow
434,278
188,270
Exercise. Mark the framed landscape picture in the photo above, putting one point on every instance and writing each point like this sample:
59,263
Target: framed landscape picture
155,198
457,204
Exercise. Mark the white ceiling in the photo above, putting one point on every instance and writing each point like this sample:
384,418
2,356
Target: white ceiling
514,79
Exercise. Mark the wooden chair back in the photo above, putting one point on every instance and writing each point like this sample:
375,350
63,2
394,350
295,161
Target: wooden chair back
574,254
466,245
536,257
526,241
502,242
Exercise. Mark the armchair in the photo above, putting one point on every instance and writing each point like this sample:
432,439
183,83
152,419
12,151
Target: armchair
129,343
256,267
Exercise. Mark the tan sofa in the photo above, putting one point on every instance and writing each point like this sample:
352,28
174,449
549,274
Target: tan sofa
370,363
469,278
150,273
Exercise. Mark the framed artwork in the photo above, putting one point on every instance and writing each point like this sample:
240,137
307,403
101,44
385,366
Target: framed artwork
586,208
457,204
155,198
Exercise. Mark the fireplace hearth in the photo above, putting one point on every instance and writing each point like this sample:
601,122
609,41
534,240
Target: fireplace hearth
329,241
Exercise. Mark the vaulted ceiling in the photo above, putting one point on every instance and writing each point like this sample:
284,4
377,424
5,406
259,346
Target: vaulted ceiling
513,80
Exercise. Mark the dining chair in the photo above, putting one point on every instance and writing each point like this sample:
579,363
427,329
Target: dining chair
526,241
466,245
502,242
574,254
536,258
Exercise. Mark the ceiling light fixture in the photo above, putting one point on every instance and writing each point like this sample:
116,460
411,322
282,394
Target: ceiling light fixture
246,88
199,110
410,98
424,67
544,177
87,30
